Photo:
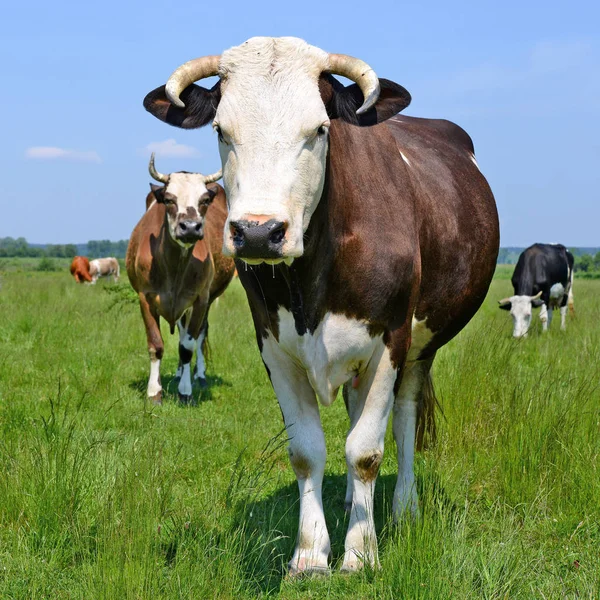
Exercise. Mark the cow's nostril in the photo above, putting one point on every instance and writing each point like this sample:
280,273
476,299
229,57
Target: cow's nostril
237,234
182,226
277,234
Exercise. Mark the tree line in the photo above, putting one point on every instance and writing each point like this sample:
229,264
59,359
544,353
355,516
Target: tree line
19,247
587,260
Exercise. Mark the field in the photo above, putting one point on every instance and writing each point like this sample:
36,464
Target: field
105,496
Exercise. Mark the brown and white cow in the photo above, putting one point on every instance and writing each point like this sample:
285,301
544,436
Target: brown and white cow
175,264
105,267
80,269
371,241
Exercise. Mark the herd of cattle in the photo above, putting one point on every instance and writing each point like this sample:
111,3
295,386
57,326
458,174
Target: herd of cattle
364,241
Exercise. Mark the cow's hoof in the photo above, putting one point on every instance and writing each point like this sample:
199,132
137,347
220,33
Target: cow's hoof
201,382
186,399
156,399
312,571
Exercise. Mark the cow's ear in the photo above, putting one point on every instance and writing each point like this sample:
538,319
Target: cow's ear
345,101
505,306
159,192
537,302
200,106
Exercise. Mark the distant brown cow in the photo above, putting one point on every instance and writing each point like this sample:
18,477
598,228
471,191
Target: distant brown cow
80,269
174,263
105,267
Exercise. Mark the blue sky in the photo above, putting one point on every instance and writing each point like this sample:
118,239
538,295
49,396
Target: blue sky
523,78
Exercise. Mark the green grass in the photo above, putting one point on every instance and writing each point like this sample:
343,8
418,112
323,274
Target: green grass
105,496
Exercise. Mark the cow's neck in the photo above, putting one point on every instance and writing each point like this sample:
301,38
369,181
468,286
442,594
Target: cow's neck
176,257
338,229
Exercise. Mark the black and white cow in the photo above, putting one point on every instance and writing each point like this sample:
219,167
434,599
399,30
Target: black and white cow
543,278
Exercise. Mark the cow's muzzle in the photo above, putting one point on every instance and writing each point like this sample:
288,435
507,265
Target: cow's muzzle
189,231
253,239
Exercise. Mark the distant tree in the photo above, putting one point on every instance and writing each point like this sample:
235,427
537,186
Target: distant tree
70,250
597,261
584,263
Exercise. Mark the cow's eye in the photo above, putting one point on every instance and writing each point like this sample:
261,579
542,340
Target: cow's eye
217,128
322,131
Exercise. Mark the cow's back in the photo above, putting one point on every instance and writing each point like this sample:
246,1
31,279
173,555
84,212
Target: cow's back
540,266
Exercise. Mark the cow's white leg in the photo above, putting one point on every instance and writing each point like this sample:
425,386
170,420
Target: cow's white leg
186,351
364,452
154,385
307,455
544,317
405,426
563,317
550,313
155,347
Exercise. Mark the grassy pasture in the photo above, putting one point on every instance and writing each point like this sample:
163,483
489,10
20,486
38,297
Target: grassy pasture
104,496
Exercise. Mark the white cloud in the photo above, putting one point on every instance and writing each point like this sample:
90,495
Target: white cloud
171,148
53,153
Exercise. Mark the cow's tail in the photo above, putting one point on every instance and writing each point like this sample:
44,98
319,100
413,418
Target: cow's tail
426,430
570,301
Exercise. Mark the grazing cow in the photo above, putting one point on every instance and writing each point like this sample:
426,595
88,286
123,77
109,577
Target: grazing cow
543,277
80,269
370,240
105,267
175,264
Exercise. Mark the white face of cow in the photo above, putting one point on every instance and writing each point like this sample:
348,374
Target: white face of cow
272,127
186,198
520,310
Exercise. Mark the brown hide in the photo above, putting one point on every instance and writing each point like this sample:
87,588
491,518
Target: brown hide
80,269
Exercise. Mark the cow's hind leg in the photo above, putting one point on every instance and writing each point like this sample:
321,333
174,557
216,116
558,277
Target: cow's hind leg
413,412
544,316
201,344
188,340
155,348
307,455
369,405
187,343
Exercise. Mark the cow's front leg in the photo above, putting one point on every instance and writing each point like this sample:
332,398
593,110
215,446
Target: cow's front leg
155,347
307,455
370,403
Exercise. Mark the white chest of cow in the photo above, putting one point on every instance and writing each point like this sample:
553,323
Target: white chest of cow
337,350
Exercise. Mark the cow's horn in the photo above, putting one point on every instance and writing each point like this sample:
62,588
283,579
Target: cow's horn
536,297
504,301
154,173
214,177
188,73
361,73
